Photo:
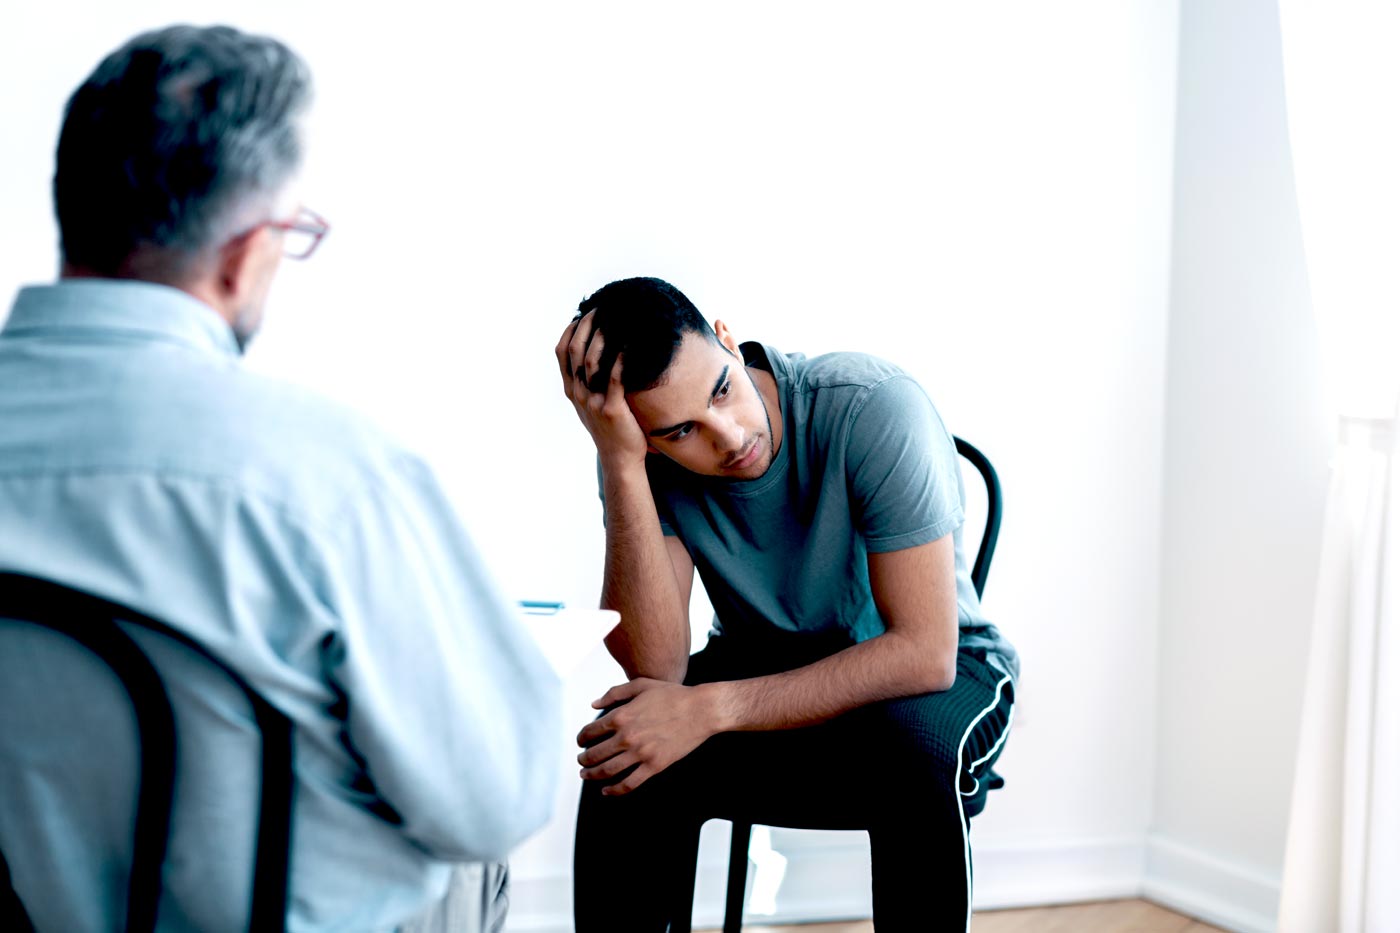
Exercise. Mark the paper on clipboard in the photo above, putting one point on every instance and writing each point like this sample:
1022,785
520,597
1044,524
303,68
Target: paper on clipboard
567,636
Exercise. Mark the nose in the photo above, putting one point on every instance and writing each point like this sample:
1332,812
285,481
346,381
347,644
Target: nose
729,438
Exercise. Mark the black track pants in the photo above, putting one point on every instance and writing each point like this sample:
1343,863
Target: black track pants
911,771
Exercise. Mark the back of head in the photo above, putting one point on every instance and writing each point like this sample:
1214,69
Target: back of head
175,142
644,319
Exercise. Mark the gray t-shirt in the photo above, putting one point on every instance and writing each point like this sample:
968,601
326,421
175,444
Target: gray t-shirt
865,466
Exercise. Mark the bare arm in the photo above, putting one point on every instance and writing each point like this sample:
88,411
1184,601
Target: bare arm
645,577
916,592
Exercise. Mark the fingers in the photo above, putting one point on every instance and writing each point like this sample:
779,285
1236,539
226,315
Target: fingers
630,783
599,729
580,353
599,752
620,694
594,732
592,359
561,353
610,768
616,398
607,760
578,344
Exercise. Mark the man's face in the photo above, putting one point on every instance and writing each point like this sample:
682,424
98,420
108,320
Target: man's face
707,414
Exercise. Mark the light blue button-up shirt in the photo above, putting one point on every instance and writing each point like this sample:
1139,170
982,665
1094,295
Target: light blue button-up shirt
141,461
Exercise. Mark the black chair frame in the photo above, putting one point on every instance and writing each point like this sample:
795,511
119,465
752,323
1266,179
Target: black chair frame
743,830
93,622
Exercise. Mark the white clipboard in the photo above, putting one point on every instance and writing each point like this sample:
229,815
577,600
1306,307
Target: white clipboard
567,636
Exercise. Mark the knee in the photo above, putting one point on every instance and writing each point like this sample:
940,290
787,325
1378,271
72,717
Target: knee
921,742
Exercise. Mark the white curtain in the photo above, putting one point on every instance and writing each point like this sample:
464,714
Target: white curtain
1342,78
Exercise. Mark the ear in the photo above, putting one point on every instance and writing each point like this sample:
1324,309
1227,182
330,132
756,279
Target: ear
726,338
238,265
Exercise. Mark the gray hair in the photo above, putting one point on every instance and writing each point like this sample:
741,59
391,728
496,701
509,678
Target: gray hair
170,142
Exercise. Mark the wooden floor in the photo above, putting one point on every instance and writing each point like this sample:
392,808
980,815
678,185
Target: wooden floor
1097,917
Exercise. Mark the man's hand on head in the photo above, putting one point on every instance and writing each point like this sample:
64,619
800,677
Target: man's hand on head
656,724
601,406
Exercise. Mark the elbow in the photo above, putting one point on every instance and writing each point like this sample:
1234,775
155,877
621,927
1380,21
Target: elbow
476,835
674,670
667,666
486,839
930,663
942,673
668,671
929,666
529,816
489,827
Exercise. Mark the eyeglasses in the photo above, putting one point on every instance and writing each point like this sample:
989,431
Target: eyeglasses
302,234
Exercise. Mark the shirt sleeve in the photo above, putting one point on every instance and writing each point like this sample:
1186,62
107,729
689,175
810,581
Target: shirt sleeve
449,703
906,488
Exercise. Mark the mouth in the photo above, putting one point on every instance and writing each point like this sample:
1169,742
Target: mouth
747,458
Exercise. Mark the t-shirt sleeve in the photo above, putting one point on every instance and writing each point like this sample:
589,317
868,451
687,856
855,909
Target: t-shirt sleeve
666,528
902,467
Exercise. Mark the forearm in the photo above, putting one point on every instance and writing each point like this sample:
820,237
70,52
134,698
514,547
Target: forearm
653,638
890,665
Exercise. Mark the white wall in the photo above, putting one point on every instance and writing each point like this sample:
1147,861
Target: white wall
981,193
1247,442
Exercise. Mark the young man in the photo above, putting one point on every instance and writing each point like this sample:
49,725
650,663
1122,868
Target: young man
141,462
849,666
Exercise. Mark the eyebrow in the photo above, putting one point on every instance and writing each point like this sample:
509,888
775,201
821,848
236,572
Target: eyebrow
719,384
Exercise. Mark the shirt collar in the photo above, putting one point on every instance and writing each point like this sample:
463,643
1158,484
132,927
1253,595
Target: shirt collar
120,306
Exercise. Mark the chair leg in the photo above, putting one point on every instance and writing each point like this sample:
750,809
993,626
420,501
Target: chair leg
738,877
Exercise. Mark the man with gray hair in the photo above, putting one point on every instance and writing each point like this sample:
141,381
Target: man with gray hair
141,463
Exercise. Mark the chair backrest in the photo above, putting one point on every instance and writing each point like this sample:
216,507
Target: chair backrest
99,627
992,527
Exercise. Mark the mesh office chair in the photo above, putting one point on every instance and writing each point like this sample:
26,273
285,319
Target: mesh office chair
100,627
743,829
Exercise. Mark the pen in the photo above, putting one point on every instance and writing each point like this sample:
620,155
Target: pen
541,606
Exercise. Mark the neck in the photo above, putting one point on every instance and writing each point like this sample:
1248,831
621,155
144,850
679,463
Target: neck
203,291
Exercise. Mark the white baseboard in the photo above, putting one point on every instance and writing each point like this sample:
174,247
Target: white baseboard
1031,875
1210,888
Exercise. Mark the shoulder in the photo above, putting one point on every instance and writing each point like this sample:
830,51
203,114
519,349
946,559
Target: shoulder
291,446
841,388
848,370
308,419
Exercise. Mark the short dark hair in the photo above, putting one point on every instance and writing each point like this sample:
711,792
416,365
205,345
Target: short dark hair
168,138
645,319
